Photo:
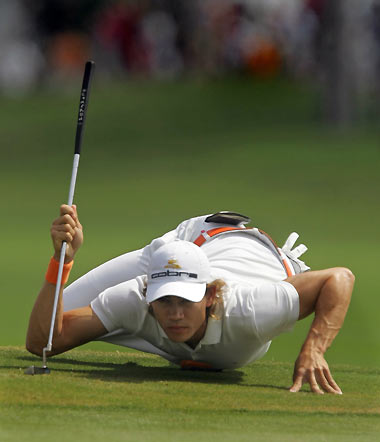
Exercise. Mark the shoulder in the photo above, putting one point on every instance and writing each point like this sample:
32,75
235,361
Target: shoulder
237,299
122,305
133,288
264,310
249,299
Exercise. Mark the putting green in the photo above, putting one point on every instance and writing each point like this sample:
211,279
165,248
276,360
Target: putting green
90,396
153,155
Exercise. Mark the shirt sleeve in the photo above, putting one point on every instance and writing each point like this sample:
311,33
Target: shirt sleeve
274,308
122,306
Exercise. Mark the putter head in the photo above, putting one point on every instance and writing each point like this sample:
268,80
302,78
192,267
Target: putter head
37,370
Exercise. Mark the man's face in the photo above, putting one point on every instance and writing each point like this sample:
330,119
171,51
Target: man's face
182,320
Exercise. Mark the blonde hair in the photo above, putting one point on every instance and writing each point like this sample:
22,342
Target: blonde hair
215,311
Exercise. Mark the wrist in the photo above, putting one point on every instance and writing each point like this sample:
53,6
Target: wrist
68,259
315,342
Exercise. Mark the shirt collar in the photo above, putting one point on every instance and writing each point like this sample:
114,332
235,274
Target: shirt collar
213,332
161,332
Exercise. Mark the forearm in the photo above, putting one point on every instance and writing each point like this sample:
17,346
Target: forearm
327,293
40,319
67,236
330,311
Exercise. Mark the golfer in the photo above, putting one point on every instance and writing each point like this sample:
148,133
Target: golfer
209,294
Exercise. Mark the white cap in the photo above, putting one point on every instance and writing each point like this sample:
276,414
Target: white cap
179,268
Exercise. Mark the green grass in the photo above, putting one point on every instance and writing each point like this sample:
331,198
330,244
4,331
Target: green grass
92,396
155,154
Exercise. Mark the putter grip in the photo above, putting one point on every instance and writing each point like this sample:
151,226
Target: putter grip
83,102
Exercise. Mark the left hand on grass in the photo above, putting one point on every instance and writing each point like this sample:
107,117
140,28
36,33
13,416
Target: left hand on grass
312,368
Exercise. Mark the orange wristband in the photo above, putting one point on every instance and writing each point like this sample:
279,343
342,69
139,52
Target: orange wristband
52,272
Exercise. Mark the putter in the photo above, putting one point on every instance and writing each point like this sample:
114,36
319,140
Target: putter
83,102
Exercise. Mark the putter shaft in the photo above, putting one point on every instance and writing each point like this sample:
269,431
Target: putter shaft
78,142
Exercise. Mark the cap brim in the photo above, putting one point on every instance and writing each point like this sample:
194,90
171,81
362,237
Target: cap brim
190,291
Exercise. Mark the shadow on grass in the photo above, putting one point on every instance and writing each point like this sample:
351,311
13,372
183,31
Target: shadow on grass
137,373
134,372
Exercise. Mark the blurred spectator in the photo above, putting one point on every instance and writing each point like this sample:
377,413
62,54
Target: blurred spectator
160,34
21,59
374,18
119,35
170,38
68,51
64,28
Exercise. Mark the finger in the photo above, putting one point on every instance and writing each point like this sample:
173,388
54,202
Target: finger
69,219
66,209
62,237
314,384
323,382
331,381
63,228
297,384
65,219
76,218
62,233
75,213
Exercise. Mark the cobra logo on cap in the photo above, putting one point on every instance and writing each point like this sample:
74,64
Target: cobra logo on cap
173,273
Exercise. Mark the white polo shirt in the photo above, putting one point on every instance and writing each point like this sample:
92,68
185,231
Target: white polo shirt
253,315
258,306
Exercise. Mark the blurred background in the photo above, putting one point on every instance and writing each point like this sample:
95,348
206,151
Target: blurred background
265,107
335,44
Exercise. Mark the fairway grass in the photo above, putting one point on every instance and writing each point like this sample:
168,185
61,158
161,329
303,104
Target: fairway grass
156,154
119,396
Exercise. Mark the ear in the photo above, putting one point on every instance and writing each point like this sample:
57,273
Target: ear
210,296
